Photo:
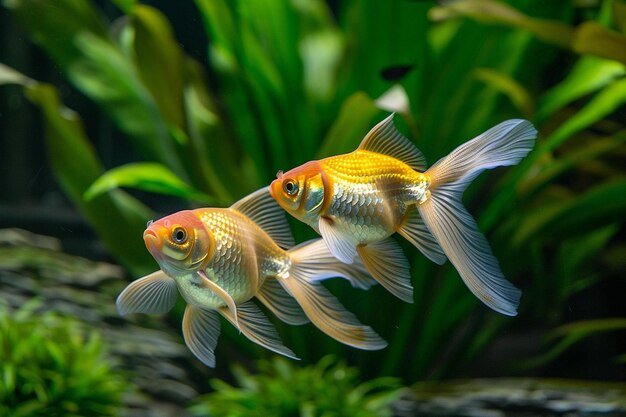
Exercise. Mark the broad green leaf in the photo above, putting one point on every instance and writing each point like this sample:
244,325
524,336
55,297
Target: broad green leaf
106,76
65,19
146,176
588,75
603,205
160,62
76,166
125,5
591,38
491,11
81,46
518,95
222,165
321,47
562,165
353,122
608,100
619,14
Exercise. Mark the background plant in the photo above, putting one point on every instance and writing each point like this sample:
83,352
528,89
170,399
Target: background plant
54,366
297,80
326,389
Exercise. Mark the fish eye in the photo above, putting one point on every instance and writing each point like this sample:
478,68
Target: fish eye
179,235
290,187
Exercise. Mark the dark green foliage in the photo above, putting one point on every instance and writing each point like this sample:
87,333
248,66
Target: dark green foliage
280,389
53,366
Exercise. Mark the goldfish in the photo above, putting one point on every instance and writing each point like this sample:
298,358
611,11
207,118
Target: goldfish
356,201
218,259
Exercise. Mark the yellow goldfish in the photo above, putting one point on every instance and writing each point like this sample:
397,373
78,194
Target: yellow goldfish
220,258
356,201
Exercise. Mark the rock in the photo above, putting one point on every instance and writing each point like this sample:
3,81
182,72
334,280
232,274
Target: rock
513,398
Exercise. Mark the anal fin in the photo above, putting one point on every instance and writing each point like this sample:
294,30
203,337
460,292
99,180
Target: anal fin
255,326
279,302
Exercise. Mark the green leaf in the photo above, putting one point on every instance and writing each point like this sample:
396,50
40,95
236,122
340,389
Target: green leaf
220,161
352,123
125,5
619,14
608,100
73,33
495,12
321,47
160,62
518,95
146,176
571,334
603,205
573,159
591,38
589,74
76,166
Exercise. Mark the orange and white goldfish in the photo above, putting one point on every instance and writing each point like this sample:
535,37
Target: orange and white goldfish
220,258
356,201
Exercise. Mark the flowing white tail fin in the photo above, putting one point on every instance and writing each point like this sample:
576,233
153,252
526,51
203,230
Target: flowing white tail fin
451,224
311,262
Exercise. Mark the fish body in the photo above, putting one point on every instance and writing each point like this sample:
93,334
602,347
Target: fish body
218,259
356,201
370,193
244,256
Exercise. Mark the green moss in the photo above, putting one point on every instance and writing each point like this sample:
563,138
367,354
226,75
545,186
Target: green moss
282,389
54,366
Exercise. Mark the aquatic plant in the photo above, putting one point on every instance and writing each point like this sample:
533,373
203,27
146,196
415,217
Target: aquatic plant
296,80
54,366
282,389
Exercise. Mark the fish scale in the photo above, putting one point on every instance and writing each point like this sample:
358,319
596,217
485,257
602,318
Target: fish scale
363,183
233,257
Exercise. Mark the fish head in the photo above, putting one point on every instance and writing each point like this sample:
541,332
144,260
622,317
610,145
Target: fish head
180,243
300,191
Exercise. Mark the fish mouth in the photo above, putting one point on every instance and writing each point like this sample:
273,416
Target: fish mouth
151,240
271,189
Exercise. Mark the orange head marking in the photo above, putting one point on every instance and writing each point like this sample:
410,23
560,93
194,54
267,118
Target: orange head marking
179,242
300,191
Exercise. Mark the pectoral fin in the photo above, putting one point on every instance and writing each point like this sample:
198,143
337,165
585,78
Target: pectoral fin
220,292
339,245
201,328
256,327
388,265
154,293
283,305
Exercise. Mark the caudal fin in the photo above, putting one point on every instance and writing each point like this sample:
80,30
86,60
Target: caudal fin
310,263
455,229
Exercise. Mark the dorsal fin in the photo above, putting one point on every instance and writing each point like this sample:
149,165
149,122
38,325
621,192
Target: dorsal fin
262,209
386,139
